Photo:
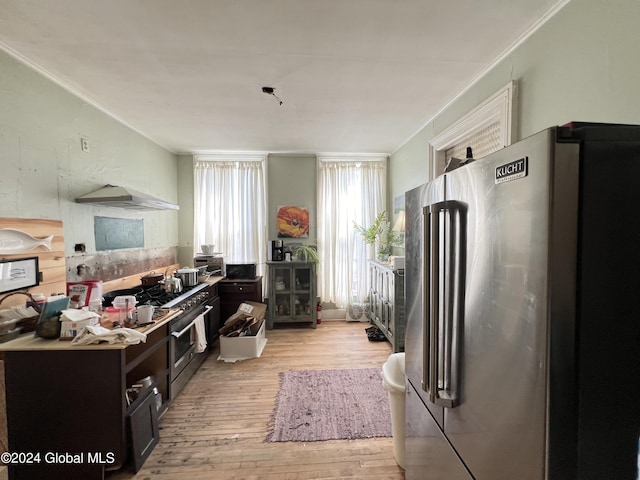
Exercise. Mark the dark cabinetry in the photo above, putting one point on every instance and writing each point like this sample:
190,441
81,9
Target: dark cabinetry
234,292
73,400
69,399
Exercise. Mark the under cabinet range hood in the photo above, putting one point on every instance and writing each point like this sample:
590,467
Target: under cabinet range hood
124,197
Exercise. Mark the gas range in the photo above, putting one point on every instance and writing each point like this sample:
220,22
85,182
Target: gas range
186,352
184,301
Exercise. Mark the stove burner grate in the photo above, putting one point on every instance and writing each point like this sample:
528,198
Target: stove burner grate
156,296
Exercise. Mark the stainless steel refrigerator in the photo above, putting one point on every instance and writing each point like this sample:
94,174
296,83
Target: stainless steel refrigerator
522,282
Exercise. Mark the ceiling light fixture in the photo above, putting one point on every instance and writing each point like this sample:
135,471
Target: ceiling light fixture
269,91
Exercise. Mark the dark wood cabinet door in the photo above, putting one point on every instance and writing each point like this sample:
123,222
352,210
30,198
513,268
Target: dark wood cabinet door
234,292
145,434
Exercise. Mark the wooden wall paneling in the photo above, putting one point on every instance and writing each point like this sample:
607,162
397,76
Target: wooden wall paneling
50,263
50,259
37,227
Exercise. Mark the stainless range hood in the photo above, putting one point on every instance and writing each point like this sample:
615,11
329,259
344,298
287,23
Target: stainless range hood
122,197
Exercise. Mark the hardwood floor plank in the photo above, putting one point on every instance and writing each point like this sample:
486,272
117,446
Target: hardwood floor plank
216,428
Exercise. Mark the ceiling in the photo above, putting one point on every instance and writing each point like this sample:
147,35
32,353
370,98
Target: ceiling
353,75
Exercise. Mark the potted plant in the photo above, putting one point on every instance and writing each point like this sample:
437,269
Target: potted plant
382,233
308,254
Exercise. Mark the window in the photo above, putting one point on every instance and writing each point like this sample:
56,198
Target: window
350,189
488,128
230,206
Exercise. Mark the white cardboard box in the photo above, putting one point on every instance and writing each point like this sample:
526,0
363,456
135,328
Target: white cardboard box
69,329
233,349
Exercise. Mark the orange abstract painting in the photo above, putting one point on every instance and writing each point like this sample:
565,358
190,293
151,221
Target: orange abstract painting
293,222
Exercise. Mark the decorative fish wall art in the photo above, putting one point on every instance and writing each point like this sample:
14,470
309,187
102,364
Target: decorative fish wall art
16,241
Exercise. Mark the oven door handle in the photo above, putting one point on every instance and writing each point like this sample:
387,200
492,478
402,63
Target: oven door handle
186,329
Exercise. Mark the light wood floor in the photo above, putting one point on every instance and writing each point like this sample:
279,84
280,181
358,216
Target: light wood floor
216,428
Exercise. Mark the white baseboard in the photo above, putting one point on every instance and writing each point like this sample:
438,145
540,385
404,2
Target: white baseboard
333,314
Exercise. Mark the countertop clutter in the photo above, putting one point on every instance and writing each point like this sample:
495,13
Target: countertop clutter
161,316
30,342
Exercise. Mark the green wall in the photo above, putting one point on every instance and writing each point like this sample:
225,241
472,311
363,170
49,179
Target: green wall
291,180
582,65
186,250
44,168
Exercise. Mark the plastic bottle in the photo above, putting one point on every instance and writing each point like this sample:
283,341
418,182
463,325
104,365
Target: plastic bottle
319,313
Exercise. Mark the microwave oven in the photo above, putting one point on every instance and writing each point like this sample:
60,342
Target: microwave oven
235,271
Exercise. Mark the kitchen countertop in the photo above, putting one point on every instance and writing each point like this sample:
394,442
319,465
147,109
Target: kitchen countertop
27,341
214,279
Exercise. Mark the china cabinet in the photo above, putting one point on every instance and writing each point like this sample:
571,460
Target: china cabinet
292,293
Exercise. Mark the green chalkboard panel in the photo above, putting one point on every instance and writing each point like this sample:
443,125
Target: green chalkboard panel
115,233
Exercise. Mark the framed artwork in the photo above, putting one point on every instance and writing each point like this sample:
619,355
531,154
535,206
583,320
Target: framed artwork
398,203
293,222
18,274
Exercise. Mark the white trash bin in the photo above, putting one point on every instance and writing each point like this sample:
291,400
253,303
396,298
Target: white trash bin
393,380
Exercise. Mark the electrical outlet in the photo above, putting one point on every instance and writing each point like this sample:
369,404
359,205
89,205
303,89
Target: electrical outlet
84,144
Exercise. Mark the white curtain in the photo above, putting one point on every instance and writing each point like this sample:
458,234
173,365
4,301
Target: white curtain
230,207
348,191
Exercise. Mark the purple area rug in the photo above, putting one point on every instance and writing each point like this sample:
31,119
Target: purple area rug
314,405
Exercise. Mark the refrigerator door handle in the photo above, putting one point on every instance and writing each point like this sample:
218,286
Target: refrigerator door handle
431,290
445,293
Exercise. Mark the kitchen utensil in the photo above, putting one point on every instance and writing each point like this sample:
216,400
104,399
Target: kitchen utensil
140,325
146,382
189,276
125,302
110,317
125,305
203,276
151,279
110,296
207,249
145,313
172,285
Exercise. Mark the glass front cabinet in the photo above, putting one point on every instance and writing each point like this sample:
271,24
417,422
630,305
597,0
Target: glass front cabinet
292,293
386,297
